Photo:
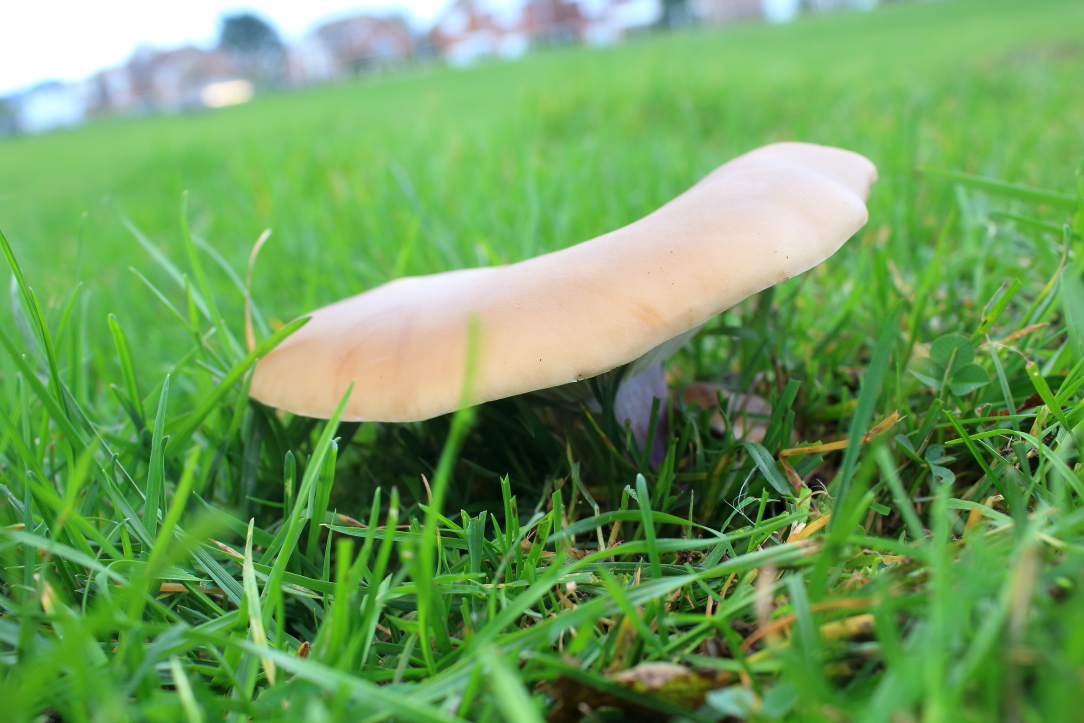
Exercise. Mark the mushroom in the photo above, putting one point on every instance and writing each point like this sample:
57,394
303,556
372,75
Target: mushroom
630,297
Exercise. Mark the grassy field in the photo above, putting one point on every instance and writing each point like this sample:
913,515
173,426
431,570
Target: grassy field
171,551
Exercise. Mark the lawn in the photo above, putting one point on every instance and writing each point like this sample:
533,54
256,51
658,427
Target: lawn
170,550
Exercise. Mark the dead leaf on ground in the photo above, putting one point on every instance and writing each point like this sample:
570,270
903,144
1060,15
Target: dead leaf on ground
675,684
748,412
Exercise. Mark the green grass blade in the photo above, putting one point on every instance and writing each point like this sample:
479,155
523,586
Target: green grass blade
180,437
1047,396
272,591
867,399
648,522
1009,190
162,260
156,470
228,341
162,298
764,462
189,704
57,413
321,493
512,697
127,366
252,600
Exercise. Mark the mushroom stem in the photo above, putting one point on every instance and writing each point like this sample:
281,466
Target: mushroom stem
633,403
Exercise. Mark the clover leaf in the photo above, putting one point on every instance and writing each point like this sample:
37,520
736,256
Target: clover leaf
951,360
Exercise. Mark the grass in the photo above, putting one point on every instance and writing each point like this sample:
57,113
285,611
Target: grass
171,551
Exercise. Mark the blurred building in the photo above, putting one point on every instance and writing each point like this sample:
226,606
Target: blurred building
471,30
781,11
112,91
47,106
311,62
823,5
553,22
193,78
610,21
474,29
725,11
366,42
173,80
152,81
155,81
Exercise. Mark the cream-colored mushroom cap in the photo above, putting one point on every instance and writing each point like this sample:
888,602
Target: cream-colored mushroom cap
579,312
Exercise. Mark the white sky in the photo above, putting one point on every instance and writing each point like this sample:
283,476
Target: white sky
70,39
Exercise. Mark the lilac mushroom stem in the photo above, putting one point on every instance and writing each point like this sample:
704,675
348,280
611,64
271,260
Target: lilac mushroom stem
633,402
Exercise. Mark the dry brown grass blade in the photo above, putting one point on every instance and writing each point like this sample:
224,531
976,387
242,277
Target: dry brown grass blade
178,587
782,623
806,530
228,550
876,431
791,474
1009,339
849,627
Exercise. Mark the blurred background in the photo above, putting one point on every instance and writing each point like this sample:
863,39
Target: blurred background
123,58
382,142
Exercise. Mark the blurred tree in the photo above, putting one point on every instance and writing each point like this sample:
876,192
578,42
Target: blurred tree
9,118
675,14
255,46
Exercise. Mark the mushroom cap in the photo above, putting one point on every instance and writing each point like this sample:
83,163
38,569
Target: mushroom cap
575,313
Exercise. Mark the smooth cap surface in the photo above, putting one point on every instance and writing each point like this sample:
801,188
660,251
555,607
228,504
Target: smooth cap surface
575,313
